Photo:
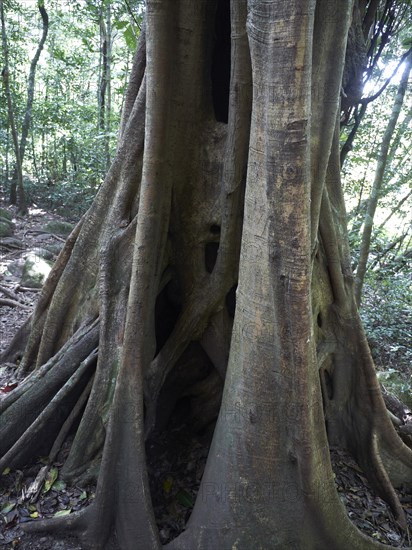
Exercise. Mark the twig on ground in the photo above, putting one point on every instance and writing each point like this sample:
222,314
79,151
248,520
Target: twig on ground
12,295
40,232
27,289
13,303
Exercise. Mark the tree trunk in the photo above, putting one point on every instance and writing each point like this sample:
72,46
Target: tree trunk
31,80
105,82
28,113
12,121
109,88
103,76
378,180
226,176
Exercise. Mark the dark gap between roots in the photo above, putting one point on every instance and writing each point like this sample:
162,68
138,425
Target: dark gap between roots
231,301
177,451
167,311
221,62
211,250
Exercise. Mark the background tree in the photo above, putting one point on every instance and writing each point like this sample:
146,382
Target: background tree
378,181
63,164
29,106
386,300
374,31
215,253
10,110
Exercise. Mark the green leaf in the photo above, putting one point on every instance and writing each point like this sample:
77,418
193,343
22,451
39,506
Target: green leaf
167,484
61,513
8,508
59,485
83,496
5,471
51,478
130,38
121,24
185,499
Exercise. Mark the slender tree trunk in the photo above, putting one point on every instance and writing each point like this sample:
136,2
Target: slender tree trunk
6,174
12,121
377,183
29,104
33,149
395,209
347,146
109,87
31,80
103,72
105,84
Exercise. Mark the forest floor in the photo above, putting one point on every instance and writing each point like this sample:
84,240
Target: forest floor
176,458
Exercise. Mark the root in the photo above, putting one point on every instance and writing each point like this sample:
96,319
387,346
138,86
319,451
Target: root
32,407
372,465
70,420
190,326
11,295
13,303
60,440
44,423
20,288
74,524
39,315
16,348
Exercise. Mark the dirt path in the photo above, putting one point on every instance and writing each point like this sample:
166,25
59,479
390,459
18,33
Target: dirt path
31,237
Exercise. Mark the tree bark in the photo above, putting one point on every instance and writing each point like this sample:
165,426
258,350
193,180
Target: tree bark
218,233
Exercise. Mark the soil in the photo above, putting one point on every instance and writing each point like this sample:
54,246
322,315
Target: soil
176,458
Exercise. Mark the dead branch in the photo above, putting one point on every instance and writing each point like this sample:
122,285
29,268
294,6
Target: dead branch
13,303
11,295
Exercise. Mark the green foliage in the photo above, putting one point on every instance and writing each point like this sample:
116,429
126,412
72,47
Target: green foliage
387,294
67,153
386,313
67,198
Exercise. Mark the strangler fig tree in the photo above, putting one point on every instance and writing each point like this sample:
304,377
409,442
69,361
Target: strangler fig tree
214,264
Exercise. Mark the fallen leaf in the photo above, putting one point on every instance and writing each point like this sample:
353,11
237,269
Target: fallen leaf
59,485
167,484
61,513
51,478
8,508
8,387
185,499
